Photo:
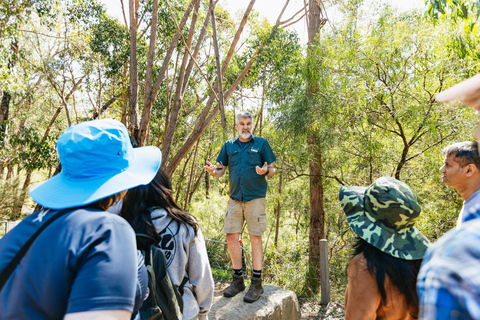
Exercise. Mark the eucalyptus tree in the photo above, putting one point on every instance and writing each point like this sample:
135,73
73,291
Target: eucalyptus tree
53,65
382,86
185,45
373,112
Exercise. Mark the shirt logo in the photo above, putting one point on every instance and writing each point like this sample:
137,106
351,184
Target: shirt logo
41,214
254,149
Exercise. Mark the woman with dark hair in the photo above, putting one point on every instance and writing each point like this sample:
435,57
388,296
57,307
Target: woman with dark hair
151,209
388,251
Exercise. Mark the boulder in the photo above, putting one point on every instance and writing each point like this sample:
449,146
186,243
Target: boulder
274,304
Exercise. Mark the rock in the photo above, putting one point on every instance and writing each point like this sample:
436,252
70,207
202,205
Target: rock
274,304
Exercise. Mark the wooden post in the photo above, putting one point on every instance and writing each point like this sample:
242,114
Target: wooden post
324,273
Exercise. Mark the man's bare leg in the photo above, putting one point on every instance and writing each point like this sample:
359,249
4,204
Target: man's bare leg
257,251
234,250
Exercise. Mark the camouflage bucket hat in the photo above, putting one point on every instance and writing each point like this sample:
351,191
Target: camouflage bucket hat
384,215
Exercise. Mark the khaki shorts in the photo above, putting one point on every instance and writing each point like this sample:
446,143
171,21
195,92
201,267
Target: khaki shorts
252,211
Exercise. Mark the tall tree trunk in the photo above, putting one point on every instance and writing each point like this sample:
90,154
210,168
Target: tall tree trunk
151,94
317,213
219,72
181,177
192,174
134,126
171,122
279,204
4,109
21,198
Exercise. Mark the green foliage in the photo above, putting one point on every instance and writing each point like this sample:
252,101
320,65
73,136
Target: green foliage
11,197
221,274
374,113
27,149
468,10
463,12
110,39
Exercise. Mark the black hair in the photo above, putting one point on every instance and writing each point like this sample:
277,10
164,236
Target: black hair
402,273
141,200
465,153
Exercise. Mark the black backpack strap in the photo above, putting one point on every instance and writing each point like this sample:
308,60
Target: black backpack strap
180,287
18,257
146,236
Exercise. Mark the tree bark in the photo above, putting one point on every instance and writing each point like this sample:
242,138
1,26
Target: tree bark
219,72
317,214
133,87
279,205
140,136
192,171
171,121
4,109
151,95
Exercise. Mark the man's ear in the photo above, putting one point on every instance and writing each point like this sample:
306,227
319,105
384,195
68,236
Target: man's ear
470,170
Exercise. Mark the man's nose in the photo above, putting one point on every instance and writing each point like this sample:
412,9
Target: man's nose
442,168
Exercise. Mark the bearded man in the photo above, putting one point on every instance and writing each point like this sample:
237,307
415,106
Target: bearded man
250,160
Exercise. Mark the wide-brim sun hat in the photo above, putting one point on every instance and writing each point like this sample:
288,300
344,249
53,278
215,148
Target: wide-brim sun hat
98,161
384,215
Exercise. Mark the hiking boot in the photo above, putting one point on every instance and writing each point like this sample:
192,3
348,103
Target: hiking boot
236,286
254,291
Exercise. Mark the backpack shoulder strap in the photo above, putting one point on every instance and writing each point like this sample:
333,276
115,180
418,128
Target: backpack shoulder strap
18,257
182,285
146,236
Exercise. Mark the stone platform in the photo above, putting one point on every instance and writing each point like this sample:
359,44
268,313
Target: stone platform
274,304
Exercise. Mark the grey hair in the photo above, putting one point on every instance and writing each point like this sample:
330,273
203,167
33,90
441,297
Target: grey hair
244,114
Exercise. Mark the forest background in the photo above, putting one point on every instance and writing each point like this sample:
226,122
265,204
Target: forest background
354,104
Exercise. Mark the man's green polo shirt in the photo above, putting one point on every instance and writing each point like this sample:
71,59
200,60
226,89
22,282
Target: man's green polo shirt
245,183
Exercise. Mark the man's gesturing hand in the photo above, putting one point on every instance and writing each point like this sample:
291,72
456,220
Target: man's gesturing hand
210,167
263,170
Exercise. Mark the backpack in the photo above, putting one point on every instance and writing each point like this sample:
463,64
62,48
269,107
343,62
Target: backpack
164,300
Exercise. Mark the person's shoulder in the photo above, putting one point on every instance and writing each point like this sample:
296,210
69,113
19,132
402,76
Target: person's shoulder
357,265
459,243
359,260
231,141
96,217
259,139
186,231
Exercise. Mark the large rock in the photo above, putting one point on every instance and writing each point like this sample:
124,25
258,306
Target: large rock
274,304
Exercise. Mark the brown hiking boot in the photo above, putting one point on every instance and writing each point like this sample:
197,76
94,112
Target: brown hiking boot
254,291
236,286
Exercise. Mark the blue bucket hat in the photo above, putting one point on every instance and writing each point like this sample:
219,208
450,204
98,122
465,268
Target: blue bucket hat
98,161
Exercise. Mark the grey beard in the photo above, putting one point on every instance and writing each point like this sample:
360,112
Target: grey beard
245,135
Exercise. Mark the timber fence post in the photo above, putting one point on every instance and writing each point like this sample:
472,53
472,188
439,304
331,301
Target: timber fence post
324,273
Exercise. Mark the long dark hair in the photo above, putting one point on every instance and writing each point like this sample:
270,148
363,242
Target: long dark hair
141,200
402,273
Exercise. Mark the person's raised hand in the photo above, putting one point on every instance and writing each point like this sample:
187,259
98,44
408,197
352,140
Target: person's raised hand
263,170
210,167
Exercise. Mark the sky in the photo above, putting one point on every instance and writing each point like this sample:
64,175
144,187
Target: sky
269,9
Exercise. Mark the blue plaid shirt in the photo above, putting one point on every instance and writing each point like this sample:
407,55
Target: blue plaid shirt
448,283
